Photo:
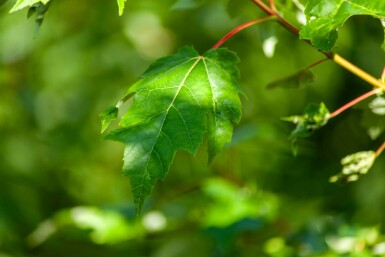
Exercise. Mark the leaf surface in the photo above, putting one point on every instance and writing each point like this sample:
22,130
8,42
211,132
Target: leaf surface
325,17
177,101
121,6
108,116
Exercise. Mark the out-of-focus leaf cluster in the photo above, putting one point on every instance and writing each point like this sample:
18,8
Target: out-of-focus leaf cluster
355,165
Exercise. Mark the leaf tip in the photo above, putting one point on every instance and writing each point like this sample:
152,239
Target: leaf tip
108,116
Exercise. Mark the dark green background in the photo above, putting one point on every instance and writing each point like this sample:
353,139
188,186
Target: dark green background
61,189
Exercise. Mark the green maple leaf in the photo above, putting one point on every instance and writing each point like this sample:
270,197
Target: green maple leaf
177,101
20,4
325,17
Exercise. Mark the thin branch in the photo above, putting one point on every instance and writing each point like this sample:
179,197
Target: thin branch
316,63
240,28
383,76
272,6
281,20
380,149
335,57
353,102
264,7
358,72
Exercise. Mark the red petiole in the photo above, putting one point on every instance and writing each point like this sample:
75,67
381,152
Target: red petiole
380,149
353,102
239,28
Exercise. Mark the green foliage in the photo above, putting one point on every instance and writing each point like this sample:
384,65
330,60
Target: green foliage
237,202
177,101
39,9
121,4
315,116
60,193
20,4
325,17
377,106
373,117
354,166
103,226
108,116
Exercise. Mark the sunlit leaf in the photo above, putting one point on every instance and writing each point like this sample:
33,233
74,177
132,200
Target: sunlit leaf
20,4
121,6
378,105
354,166
268,37
296,80
373,118
325,17
104,226
178,100
237,202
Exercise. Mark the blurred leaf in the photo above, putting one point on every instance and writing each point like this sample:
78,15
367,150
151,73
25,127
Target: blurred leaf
40,10
178,100
315,117
354,166
237,202
373,118
296,80
108,116
267,35
187,4
31,11
121,6
378,105
325,17
105,226
20,4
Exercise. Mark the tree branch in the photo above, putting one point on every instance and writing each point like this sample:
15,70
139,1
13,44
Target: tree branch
335,57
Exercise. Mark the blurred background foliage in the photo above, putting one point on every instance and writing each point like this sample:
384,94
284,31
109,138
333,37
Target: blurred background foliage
61,189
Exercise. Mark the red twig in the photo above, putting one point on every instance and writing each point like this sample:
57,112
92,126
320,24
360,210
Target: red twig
380,149
239,28
264,7
272,5
272,12
353,102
